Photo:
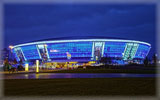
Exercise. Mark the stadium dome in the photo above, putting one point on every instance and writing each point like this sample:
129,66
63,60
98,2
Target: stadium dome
79,49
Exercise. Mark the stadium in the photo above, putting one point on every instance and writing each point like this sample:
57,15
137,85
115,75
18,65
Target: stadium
81,50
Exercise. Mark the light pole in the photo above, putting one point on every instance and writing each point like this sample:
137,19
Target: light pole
11,47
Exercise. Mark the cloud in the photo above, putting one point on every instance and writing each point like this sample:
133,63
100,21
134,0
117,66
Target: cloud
117,11
34,22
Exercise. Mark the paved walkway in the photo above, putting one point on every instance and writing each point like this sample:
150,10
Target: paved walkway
31,71
7,72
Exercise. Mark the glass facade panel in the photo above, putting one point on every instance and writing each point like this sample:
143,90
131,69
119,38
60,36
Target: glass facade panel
81,50
142,51
19,54
114,49
74,49
130,51
30,52
133,51
15,55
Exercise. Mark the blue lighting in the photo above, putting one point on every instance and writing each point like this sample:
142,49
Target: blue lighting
76,49
19,54
30,52
15,55
82,49
114,49
142,51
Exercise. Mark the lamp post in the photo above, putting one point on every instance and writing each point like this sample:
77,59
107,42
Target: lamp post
26,67
11,47
37,66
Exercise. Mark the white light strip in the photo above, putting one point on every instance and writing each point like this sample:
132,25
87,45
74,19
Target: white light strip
82,40
148,52
15,50
47,52
38,52
124,50
93,44
136,50
103,44
23,54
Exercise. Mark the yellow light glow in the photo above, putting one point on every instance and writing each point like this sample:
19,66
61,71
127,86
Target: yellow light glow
37,76
45,45
11,47
92,62
72,62
37,66
26,67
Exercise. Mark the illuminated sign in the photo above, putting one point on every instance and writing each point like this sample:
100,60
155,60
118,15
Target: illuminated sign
68,55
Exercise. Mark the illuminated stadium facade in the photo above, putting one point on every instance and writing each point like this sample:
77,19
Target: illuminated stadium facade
81,50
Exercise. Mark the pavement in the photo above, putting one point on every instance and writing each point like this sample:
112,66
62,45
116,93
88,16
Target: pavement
31,71
7,72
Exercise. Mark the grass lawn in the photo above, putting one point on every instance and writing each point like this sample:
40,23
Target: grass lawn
81,87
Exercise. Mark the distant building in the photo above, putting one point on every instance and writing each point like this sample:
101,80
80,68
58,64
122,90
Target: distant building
5,53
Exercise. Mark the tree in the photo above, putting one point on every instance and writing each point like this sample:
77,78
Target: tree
15,61
146,62
6,64
154,59
106,60
20,61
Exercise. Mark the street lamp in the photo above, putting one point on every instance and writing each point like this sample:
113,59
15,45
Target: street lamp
11,47
45,45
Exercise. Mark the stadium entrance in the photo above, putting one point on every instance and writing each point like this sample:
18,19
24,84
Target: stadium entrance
43,52
98,53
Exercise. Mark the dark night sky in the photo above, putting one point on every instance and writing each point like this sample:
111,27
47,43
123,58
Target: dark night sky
25,23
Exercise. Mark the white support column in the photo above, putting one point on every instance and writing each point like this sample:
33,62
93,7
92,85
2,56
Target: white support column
124,51
103,45
93,50
38,51
15,51
148,51
45,47
23,55
136,51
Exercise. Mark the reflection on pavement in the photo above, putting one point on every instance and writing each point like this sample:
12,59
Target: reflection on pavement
74,75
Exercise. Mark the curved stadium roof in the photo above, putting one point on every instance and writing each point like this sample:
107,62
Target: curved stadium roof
77,38
80,38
